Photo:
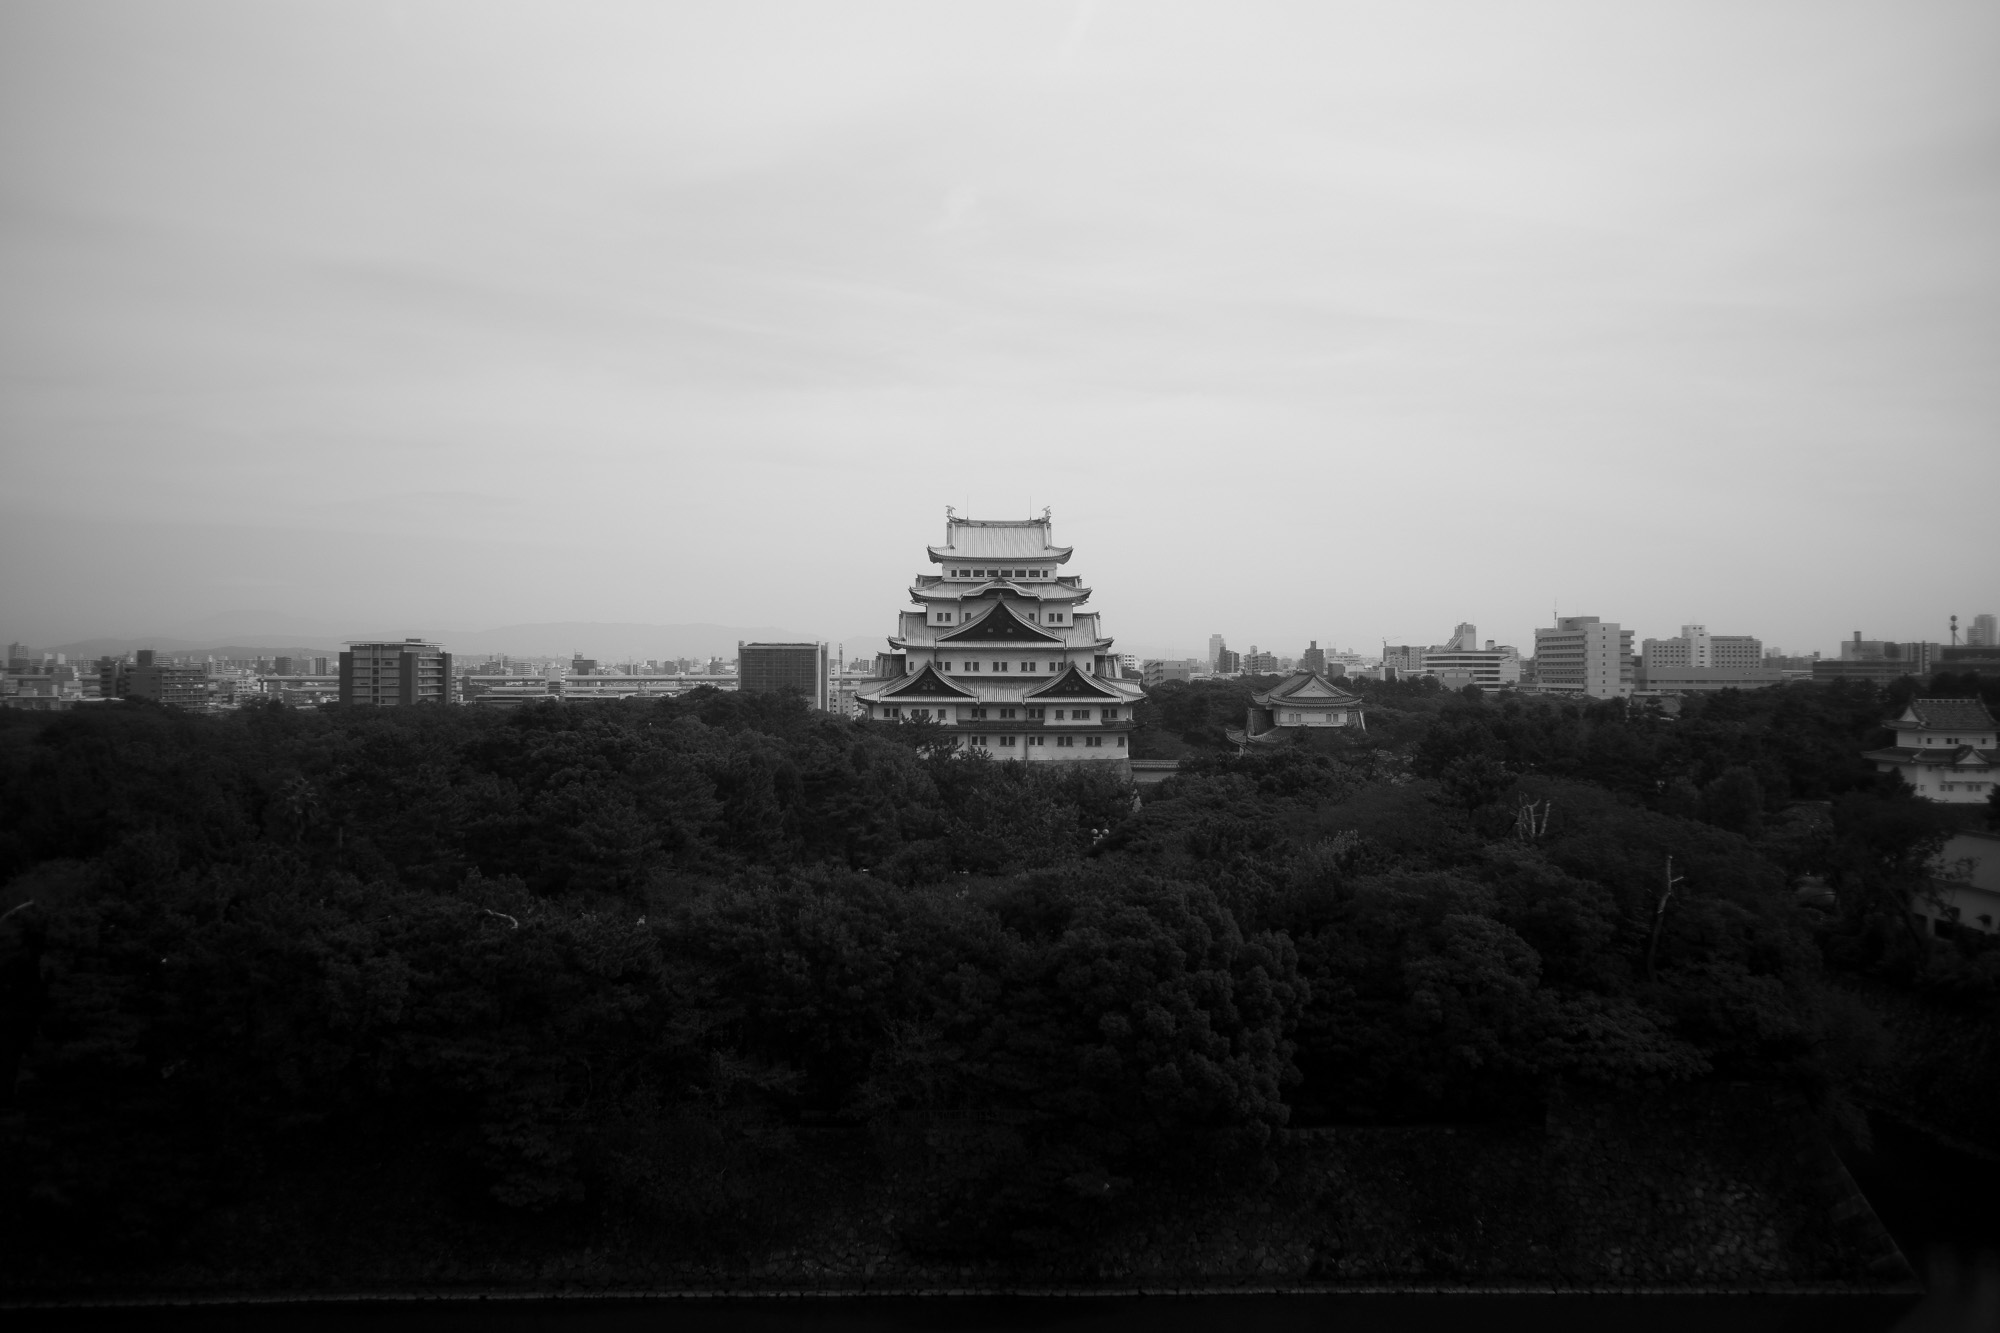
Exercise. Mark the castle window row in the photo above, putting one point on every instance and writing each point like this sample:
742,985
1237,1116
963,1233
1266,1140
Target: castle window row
1006,714
951,618
1062,742
1000,573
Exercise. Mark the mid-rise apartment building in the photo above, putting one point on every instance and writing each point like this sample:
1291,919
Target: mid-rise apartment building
1585,656
1696,647
410,671
777,668
146,677
1403,658
1159,670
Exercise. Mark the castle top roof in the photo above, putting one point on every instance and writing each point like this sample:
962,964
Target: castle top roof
998,539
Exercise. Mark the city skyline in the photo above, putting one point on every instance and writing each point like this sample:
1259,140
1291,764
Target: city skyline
625,640
644,314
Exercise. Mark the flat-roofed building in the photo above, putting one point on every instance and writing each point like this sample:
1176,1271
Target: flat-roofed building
1696,647
1697,662
1463,662
1402,659
784,668
1159,670
494,690
405,671
1585,656
1977,658
181,684
1880,660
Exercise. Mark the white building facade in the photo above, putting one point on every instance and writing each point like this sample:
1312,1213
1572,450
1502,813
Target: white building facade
1463,662
1002,649
1585,656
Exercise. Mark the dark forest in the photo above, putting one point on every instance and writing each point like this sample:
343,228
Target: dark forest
572,970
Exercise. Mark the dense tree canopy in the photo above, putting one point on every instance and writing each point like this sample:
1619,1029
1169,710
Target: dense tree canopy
616,959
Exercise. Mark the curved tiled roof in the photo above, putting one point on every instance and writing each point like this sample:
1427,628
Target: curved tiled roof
926,684
1306,687
1945,715
1958,756
1000,625
998,539
1073,684
972,590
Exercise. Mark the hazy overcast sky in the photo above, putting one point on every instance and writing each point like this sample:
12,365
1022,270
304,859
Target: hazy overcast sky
1332,321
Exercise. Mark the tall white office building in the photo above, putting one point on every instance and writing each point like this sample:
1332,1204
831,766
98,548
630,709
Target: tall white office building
1586,656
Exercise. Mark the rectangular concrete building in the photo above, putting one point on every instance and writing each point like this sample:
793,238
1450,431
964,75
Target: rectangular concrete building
410,671
779,668
1586,656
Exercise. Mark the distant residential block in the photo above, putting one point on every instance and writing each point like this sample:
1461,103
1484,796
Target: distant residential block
1698,662
1980,659
409,671
1159,670
500,690
1879,660
146,677
1463,662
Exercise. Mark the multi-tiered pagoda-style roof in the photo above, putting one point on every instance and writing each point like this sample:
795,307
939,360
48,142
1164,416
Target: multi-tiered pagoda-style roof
1001,648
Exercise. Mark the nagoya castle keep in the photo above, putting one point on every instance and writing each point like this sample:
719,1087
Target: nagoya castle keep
1000,649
